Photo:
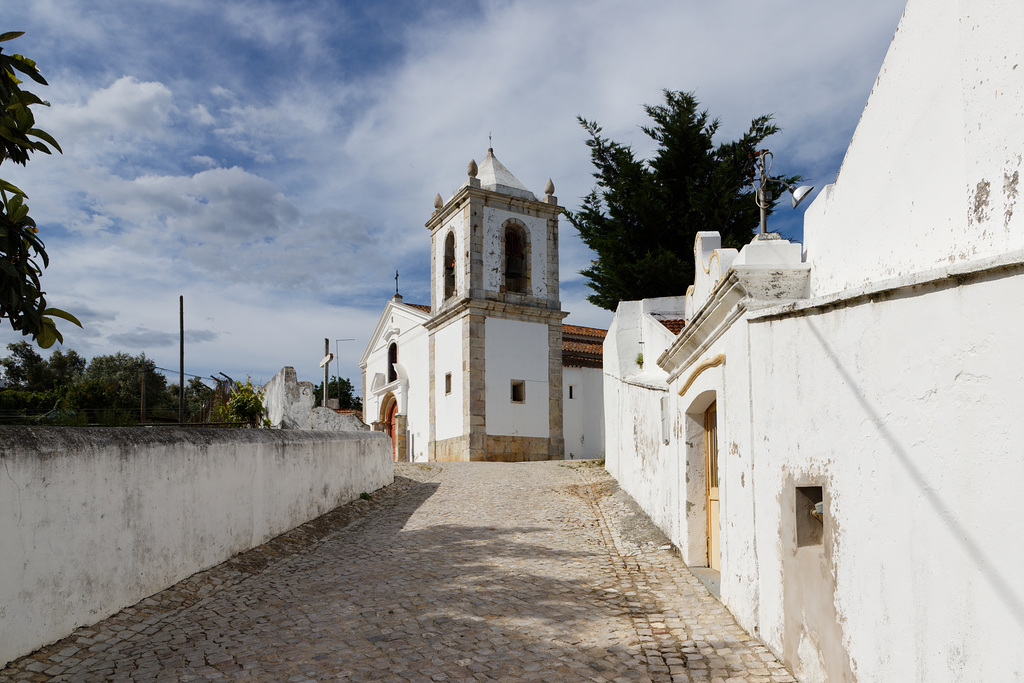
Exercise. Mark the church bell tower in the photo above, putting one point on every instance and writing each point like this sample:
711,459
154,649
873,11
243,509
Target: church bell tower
495,335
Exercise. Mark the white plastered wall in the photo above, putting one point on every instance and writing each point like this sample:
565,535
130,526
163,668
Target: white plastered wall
95,520
412,388
516,350
448,408
728,384
938,148
635,450
910,410
583,414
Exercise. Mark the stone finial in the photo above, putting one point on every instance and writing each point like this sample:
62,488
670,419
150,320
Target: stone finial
438,202
472,169
549,188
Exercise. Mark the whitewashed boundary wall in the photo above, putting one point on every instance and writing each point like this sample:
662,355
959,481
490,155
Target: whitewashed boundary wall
95,519
904,406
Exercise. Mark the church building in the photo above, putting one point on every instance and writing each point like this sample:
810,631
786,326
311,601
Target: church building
487,371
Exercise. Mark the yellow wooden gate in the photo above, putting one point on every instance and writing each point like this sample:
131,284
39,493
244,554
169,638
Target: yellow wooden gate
711,461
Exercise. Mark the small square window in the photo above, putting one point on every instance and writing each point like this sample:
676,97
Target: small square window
447,383
518,391
571,392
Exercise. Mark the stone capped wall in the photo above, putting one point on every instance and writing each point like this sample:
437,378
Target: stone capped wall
95,519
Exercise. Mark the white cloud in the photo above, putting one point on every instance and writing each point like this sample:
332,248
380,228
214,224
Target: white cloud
281,203
124,111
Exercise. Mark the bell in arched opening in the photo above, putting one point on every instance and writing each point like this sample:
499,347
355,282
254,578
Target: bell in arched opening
515,275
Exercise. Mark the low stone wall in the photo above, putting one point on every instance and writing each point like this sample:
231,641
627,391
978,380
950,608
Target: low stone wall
95,519
455,449
517,449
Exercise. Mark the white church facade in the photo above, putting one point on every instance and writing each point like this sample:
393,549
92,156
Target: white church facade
487,371
836,433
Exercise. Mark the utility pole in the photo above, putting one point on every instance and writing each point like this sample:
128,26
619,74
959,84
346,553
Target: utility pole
142,405
181,377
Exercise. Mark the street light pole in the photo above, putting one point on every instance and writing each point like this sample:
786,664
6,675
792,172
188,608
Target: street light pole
762,166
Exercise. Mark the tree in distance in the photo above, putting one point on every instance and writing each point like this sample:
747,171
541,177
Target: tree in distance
22,301
124,376
341,389
642,218
26,370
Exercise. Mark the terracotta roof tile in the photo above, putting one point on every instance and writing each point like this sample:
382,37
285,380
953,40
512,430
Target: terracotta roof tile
419,307
582,347
579,330
674,325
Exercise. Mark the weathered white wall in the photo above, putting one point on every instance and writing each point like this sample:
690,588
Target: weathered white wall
938,149
896,386
516,350
416,366
909,410
493,220
583,415
448,409
635,450
328,419
287,402
93,520
729,386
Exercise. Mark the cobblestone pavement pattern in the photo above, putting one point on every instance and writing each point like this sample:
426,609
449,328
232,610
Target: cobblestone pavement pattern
457,572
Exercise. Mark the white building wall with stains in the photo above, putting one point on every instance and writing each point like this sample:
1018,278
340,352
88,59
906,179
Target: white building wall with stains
906,411
583,412
931,178
884,381
637,452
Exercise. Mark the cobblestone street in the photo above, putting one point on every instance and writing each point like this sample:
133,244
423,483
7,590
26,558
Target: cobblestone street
457,572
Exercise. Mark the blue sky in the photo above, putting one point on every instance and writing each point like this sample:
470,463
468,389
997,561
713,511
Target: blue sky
275,161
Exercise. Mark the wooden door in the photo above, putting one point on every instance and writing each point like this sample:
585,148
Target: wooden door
711,461
392,432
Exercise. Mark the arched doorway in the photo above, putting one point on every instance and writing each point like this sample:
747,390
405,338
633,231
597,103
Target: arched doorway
391,429
711,473
389,418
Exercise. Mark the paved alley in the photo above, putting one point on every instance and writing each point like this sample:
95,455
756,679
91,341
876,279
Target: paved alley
457,572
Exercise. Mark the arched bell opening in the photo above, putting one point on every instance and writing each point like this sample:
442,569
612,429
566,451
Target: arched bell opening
449,266
516,259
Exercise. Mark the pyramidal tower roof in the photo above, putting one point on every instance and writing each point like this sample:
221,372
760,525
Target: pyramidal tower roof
494,176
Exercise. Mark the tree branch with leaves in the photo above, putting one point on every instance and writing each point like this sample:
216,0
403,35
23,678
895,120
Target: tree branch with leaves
22,300
643,216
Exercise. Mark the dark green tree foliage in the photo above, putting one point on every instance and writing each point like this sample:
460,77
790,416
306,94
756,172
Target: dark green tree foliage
22,301
66,368
197,398
341,389
642,218
26,370
122,375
